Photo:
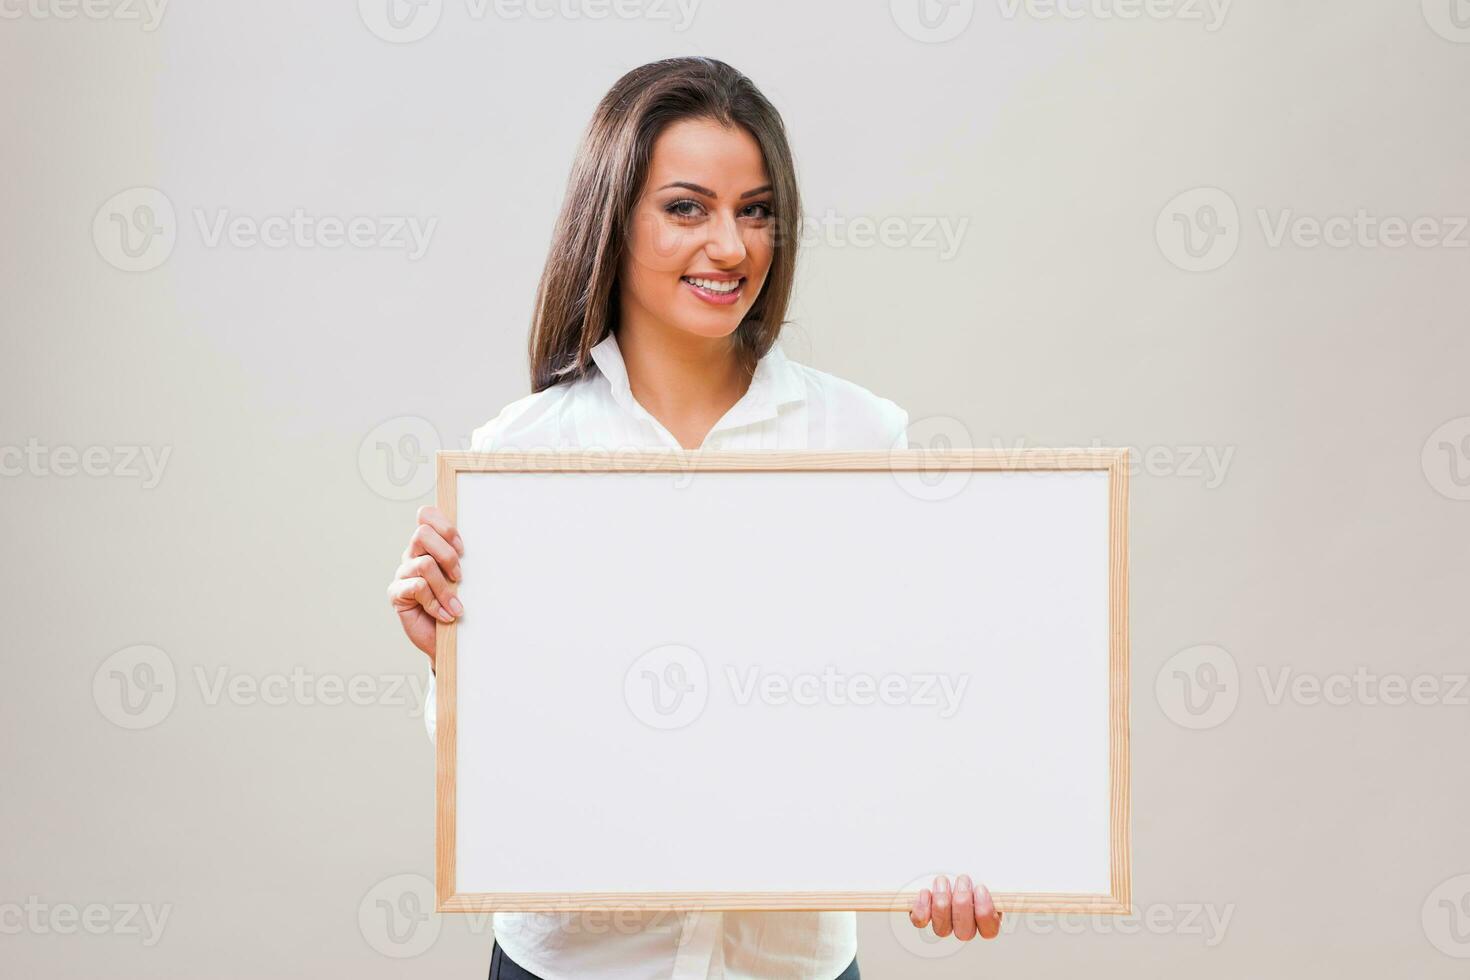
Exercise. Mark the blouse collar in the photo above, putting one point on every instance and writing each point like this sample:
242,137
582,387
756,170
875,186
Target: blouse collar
776,382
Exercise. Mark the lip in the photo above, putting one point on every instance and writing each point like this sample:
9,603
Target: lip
713,298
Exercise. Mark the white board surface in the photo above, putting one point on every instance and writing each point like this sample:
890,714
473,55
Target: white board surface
765,681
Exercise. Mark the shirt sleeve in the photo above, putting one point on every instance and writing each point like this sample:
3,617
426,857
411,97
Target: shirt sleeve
899,426
514,419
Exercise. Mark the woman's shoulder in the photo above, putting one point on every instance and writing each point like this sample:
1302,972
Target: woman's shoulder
853,410
529,422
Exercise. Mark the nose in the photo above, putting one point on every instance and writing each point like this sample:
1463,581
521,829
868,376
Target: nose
725,244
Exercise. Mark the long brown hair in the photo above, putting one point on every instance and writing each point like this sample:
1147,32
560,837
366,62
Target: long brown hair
576,301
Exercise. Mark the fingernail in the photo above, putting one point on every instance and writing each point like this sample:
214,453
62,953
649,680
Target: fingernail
459,544
444,614
456,573
455,606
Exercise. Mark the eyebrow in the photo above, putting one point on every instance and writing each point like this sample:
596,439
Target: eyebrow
709,193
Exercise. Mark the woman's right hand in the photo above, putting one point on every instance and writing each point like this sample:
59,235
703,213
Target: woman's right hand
423,589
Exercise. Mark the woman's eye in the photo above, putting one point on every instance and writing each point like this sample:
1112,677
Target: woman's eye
689,208
684,209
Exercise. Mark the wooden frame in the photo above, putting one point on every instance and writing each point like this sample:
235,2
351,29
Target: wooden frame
1112,461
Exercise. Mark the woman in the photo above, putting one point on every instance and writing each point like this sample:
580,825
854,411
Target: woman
656,326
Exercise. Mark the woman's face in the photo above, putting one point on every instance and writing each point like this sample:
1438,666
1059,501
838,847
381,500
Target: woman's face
702,233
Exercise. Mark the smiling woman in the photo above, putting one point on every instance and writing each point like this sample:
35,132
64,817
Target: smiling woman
656,325
685,170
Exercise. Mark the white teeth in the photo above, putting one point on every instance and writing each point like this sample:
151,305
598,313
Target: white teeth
715,286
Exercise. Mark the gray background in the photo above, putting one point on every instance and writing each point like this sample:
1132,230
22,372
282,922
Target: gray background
1273,835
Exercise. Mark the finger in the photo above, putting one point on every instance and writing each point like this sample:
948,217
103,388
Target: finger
919,914
434,517
943,925
426,568
427,541
963,911
406,593
987,916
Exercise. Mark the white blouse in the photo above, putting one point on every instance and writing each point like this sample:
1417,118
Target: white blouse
788,406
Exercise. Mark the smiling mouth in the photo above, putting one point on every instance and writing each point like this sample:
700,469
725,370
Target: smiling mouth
720,292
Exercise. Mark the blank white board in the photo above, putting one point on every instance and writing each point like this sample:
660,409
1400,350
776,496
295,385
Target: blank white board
743,680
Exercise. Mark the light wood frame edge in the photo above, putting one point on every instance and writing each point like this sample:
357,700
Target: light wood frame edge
448,470
1119,689
1113,461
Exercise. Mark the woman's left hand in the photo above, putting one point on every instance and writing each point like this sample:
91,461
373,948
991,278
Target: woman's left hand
964,911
